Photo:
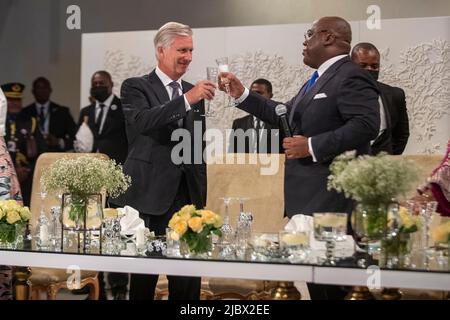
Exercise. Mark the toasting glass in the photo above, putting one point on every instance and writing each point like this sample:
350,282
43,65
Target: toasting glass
222,63
211,75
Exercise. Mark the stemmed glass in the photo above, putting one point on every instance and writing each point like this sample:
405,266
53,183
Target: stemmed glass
41,231
243,228
211,75
227,240
330,227
223,67
425,209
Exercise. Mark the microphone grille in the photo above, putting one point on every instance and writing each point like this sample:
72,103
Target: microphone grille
280,109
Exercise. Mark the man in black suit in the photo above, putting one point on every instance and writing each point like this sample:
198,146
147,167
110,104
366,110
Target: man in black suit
260,137
157,107
394,128
335,111
105,118
55,122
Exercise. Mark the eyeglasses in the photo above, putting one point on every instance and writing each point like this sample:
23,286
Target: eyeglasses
310,33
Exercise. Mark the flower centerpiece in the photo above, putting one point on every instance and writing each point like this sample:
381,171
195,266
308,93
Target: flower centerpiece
396,244
13,219
78,179
373,182
194,227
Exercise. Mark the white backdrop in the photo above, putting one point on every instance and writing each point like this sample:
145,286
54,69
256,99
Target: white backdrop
415,57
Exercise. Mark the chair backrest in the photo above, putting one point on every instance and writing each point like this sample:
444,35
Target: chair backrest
43,162
265,192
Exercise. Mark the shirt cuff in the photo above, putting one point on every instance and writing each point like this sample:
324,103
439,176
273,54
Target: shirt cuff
187,106
310,149
242,97
61,143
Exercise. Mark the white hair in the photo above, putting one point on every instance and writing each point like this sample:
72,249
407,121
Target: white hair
168,32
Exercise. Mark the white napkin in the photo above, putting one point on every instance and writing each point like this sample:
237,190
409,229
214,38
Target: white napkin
301,222
130,221
84,141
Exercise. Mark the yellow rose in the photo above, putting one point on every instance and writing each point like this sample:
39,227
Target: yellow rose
2,213
208,216
405,218
195,223
187,211
25,213
219,221
12,217
174,220
180,227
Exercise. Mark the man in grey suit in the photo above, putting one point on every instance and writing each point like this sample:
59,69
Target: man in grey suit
335,111
394,127
155,105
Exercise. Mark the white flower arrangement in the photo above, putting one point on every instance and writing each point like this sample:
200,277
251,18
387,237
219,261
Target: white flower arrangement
85,175
371,179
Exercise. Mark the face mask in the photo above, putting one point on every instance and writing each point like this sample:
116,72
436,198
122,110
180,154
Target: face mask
100,93
374,74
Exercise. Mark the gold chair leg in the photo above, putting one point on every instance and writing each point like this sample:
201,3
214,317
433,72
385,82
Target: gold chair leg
22,284
52,290
360,293
391,294
285,291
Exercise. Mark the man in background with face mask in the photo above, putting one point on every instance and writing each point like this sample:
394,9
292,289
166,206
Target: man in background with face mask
394,126
105,118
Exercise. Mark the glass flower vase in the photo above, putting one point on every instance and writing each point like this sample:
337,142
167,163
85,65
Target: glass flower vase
395,249
369,222
11,235
199,246
82,214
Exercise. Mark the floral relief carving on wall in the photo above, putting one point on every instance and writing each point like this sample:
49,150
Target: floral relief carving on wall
122,66
423,71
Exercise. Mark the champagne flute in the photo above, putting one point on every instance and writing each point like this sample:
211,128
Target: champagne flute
223,67
211,75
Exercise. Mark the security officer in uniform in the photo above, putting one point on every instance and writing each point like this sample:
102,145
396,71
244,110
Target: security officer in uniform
23,139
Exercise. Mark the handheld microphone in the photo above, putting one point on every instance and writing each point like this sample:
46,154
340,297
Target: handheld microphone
281,112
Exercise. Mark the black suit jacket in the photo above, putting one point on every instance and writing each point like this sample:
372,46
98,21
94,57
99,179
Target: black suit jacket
151,119
345,116
264,144
393,140
113,138
61,124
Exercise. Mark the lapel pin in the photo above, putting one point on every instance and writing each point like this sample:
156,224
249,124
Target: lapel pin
113,107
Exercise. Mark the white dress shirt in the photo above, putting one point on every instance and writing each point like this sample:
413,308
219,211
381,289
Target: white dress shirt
166,80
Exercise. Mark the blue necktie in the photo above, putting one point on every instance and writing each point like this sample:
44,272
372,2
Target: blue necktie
311,82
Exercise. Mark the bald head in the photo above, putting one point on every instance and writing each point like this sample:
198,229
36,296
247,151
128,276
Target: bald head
328,37
340,28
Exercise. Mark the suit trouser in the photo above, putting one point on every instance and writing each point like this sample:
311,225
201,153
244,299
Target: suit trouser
142,286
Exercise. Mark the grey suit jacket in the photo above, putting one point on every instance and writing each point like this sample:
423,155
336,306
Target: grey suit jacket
150,120
344,117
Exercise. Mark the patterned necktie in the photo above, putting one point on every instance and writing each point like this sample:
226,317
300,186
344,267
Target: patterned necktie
311,82
98,120
175,94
